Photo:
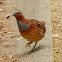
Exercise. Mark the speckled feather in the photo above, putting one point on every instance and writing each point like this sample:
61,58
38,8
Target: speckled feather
30,29
35,33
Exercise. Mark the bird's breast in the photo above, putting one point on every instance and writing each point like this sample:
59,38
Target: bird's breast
23,26
32,34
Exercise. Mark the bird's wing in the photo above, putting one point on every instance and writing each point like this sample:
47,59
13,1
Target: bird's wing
39,25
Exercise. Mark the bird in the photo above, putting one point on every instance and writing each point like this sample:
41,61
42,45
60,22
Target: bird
30,29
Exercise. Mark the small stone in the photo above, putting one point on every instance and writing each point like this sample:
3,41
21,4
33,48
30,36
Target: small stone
57,35
0,29
57,52
20,38
11,56
0,38
8,17
1,2
1,9
5,32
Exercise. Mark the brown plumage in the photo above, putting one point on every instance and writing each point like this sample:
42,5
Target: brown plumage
30,29
35,33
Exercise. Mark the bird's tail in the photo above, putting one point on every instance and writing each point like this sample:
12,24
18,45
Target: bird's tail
43,22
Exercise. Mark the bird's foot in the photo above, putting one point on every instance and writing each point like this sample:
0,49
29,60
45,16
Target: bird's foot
28,45
33,50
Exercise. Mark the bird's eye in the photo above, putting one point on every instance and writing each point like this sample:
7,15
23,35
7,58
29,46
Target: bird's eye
18,13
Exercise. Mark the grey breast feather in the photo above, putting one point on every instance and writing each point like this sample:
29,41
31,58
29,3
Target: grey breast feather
23,26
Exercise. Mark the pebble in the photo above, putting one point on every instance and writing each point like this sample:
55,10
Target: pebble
20,38
0,38
1,9
1,2
0,29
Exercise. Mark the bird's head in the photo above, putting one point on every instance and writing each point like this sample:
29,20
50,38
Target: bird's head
16,14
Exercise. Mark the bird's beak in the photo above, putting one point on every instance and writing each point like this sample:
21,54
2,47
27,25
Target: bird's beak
13,14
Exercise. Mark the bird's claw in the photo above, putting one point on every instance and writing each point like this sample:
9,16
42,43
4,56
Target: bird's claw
28,45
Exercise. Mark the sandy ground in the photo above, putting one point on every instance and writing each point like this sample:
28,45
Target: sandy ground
12,49
56,18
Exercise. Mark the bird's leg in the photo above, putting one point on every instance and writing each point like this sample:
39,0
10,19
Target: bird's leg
34,47
28,44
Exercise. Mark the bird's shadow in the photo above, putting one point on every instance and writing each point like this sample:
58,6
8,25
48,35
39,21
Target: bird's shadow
28,53
39,48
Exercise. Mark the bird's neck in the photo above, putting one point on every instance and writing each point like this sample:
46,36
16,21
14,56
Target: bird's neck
21,18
